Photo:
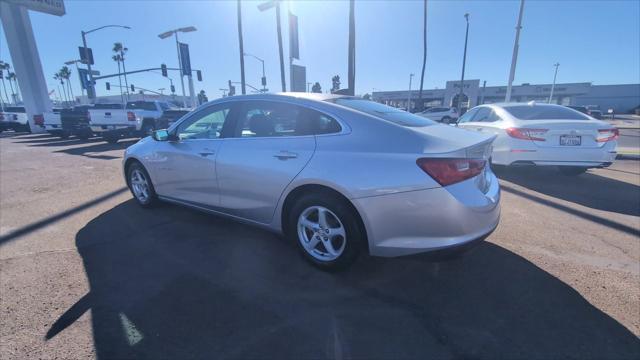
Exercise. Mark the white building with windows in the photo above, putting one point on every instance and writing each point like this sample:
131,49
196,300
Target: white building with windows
622,98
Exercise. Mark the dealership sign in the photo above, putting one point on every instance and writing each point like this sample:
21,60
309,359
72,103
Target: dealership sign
53,7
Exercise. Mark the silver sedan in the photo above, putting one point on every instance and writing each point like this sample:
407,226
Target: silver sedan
338,175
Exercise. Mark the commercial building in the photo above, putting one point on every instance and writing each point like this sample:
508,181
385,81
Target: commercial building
621,98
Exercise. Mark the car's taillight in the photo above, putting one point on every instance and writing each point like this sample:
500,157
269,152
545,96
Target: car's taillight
527,134
605,135
131,116
451,171
38,120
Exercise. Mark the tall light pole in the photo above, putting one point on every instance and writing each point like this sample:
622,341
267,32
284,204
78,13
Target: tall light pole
409,97
241,43
464,62
555,75
266,6
175,32
264,78
351,80
84,44
514,57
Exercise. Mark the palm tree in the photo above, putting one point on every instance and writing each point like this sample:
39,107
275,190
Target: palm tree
58,76
11,76
4,66
424,56
120,50
65,73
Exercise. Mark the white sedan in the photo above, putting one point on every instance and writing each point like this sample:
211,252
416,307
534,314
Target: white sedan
440,114
544,135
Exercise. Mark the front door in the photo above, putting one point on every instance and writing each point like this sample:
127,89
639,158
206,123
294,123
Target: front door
271,145
186,167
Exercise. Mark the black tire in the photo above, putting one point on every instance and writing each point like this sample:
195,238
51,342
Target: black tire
64,135
111,139
572,170
355,235
84,135
152,199
446,120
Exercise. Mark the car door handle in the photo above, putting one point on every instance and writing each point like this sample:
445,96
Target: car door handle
284,155
207,152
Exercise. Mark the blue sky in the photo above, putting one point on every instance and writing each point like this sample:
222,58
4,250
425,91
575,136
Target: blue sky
594,41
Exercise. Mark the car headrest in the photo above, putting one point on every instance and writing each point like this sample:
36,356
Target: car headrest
261,125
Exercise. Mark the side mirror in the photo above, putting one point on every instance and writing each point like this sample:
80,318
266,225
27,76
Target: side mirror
164,135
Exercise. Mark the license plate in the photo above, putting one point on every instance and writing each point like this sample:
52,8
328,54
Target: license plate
570,140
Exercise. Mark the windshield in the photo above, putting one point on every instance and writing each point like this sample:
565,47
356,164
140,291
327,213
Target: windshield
384,112
544,112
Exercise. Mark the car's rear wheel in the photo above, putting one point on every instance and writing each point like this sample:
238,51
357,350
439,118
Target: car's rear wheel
326,230
140,185
111,139
446,119
572,170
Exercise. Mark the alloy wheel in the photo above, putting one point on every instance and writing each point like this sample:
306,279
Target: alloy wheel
140,185
321,233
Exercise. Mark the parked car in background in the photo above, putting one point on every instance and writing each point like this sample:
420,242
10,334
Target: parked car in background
441,114
301,164
582,109
169,117
14,118
544,135
137,119
76,121
594,111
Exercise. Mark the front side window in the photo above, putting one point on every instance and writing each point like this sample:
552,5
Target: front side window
484,114
206,124
271,119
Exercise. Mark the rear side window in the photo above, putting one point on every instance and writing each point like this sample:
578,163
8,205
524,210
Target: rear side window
544,112
384,112
107,106
468,116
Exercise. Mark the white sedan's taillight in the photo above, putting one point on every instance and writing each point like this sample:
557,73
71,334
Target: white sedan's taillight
38,120
131,116
527,134
605,135
451,171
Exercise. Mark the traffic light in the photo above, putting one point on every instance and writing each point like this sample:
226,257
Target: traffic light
133,88
173,89
108,85
163,68
199,75
264,81
232,89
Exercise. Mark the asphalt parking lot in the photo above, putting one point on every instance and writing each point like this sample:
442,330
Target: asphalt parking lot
86,273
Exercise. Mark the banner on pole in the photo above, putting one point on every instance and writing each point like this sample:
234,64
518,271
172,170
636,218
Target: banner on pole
185,59
294,48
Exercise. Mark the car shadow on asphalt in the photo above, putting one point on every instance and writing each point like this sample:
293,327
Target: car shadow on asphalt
174,283
589,189
98,147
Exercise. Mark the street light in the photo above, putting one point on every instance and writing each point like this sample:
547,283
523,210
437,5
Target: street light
70,62
514,57
175,32
264,7
84,43
464,61
409,98
554,82
264,78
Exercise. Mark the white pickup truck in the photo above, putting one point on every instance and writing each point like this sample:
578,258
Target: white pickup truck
14,118
138,118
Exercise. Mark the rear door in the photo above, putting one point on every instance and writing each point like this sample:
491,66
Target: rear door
186,168
271,145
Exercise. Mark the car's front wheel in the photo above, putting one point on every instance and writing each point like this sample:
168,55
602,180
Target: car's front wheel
326,230
140,185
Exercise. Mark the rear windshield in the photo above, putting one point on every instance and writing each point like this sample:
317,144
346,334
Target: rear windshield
107,106
384,112
542,112
141,105
15,109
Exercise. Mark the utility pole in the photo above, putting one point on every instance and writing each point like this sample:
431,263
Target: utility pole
464,61
555,75
351,81
242,83
264,7
424,56
409,97
514,58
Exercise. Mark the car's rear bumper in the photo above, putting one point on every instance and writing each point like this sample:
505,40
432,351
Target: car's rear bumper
112,128
530,154
427,220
